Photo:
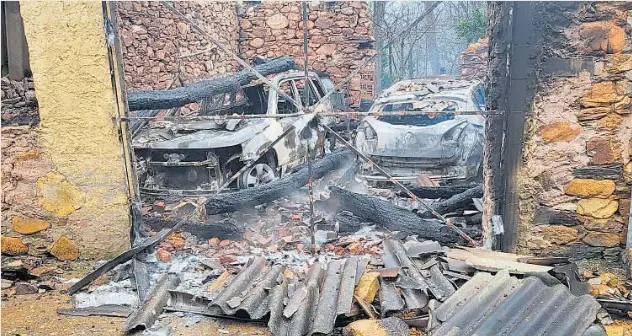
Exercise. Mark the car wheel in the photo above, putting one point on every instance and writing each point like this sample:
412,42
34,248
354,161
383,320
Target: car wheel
259,174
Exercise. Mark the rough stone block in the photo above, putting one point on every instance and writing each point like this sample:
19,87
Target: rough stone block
13,246
603,150
28,226
590,188
368,286
608,225
603,35
560,131
560,234
604,94
597,207
601,239
64,249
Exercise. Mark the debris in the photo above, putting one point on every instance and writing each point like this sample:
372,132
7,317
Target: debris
368,309
64,249
122,258
457,201
104,310
392,217
489,305
149,310
391,326
198,229
385,273
219,282
22,288
13,246
437,192
234,201
163,255
41,270
368,286
159,206
214,241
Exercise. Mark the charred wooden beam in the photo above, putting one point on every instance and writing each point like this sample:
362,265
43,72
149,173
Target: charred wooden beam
458,201
234,201
164,99
200,230
438,192
392,217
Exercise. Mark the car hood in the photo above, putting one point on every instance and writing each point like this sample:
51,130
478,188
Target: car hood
201,139
412,141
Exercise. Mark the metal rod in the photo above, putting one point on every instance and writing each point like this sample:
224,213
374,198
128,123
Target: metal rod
325,114
306,88
399,184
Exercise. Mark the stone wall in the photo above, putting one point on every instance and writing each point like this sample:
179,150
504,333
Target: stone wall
473,61
340,38
158,45
574,184
19,105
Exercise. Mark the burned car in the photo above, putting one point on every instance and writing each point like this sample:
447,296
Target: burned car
447,147
198,156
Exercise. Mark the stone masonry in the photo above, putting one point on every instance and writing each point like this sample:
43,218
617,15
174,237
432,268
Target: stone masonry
158,46
473,61
19,105
340,38
576,175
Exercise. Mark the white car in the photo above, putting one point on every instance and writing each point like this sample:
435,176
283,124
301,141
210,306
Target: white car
444,146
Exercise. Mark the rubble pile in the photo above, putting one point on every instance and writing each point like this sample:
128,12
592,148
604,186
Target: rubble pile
19,105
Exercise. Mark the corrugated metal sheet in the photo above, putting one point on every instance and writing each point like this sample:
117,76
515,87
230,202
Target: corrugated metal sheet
505,305
296,308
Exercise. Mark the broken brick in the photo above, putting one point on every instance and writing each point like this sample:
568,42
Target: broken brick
39,271
64,249
214,241
226,259
159,206
368,286
224,243
163,255
355,248
176,240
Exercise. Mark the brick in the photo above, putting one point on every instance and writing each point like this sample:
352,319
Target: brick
163,255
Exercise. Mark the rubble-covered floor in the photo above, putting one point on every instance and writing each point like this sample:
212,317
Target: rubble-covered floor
278,231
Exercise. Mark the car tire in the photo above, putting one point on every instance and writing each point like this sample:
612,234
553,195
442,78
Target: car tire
259,174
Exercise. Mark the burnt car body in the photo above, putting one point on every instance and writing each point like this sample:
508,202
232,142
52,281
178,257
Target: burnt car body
447,147
198,156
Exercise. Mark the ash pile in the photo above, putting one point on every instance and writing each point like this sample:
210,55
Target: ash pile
378,263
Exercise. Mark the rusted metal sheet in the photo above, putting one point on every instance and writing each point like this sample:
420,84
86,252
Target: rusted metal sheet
504,305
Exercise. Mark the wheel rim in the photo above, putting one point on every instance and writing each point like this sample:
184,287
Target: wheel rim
259,174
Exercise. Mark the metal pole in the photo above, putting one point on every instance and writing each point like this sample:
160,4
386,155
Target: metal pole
306,87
